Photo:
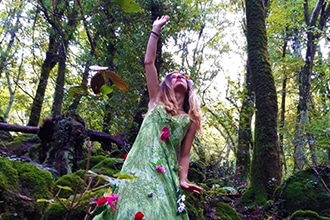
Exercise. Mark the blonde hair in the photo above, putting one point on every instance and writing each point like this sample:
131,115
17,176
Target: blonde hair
190,106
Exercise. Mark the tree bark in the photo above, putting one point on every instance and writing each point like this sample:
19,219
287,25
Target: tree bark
283,109
67,35
265,167
48,64
58,94
245,143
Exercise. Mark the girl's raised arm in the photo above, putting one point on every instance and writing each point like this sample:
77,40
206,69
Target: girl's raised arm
150,57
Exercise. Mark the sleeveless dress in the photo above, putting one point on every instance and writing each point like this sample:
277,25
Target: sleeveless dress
153,159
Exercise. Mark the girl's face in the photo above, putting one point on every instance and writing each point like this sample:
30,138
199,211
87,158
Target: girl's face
178,81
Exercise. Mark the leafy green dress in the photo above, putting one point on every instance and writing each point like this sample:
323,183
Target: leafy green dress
156,191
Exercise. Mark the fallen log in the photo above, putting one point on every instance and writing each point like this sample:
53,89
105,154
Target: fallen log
119,139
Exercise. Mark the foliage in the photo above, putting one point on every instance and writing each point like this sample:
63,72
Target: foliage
287,28
198,39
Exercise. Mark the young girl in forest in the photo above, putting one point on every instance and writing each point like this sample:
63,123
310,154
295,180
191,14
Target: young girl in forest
159,157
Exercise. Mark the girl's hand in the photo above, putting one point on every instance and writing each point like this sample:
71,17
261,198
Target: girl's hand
191,187
160,22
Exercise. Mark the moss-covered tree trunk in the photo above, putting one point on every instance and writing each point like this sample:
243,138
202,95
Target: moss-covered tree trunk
265,167
245,142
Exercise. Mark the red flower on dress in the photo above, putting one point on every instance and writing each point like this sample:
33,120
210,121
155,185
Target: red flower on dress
138,216
109,198
165,134
125,156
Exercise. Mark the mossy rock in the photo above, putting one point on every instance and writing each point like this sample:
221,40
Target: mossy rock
307,215
69,184
8,175
305,190
225,212
22,184
39,182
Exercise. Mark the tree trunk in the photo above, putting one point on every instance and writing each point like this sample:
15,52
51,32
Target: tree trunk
265,167
283,109
245,142
315,25
304,100
67,35
48,64
58,94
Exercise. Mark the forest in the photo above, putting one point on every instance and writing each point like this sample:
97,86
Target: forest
73,97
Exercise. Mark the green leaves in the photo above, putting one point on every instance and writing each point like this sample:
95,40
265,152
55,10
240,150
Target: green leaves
75,91
125,176
64,188
105,89
159,162
129,6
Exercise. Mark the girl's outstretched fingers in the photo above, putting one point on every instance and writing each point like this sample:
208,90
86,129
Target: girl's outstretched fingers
191,187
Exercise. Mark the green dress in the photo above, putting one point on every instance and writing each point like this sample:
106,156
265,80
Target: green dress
153,192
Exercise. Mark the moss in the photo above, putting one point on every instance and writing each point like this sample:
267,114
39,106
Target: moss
25,183
253,196
226,212
196,175
217,191
196,171
303,191
97,159
39,181
307,215
8,175
195,206
74,181
213,182
108,166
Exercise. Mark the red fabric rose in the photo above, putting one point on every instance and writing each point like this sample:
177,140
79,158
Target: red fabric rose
111,200
165,134
101,201
138,216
